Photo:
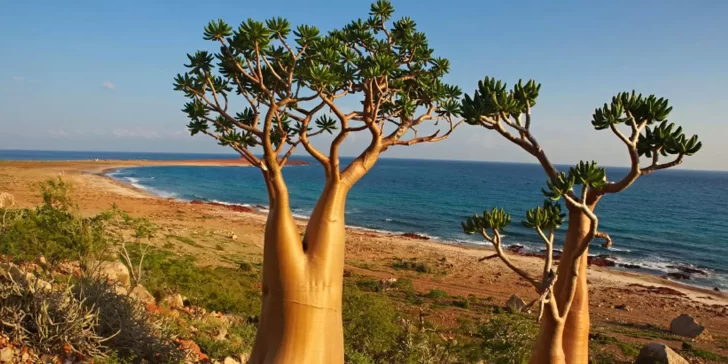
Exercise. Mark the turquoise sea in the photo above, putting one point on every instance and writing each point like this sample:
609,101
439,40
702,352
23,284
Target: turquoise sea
667,219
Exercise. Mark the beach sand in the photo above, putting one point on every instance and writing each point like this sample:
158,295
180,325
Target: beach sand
372,254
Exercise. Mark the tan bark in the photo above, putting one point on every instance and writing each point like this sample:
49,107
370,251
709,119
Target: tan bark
573,345
549,347
302,285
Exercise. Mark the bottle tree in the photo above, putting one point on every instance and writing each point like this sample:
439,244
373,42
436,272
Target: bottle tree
292,83
641,124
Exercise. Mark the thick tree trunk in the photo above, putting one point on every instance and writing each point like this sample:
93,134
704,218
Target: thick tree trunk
302,286
576,329
570,343
549,346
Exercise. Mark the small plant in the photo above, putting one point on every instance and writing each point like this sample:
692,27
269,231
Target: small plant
368,284
703,354
411,265
462,303
436,294
370,325
504,339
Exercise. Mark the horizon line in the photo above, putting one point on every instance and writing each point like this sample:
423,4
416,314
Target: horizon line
684,168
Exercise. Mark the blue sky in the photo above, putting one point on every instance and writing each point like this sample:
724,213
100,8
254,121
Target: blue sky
97,75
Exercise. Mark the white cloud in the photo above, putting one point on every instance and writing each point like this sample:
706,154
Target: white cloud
18,79
109,85
135,133
58,133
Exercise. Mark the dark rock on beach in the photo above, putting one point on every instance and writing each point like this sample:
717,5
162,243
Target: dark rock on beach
416,236
601,261
688,270
677,275
515,248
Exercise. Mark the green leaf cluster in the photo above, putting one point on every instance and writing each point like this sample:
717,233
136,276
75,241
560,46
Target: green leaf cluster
259,60
492,99
634,110
665,139
587,174
495,219
548,217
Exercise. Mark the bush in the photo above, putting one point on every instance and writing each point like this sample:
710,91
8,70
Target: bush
47,320
437,294
411,265
53,229
505,338
370,328
219,289
132,333
368,284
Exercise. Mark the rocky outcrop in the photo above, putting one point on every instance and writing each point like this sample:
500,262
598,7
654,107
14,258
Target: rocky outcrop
141,294
515,304
115,272
174,300
685,325
24,278
656,353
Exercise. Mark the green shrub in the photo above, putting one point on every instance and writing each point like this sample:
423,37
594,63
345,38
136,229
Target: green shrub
461,303
240,336
368,284
404,285
437,294
54,230
505,339
411,265
219,289
370,328
700,353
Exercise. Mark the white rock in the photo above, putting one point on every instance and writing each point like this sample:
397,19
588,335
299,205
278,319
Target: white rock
515,304
230,360
657,353
115,271
141,294
6,355
174,301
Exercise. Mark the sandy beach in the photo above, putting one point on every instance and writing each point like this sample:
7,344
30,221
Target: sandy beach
619,300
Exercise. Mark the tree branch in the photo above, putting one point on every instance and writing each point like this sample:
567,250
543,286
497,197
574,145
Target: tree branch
656,167
499,249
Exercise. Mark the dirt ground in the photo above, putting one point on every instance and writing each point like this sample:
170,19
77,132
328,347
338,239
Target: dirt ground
223,236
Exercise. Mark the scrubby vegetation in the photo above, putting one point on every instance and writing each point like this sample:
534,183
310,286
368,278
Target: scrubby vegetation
77,315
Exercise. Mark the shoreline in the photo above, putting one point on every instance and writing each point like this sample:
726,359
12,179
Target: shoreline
98,191
634,277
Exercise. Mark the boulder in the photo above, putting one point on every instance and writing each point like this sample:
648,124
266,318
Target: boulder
685,325
141,294
515,304
6,355
116,272
174,300
25,279
229,360
656,353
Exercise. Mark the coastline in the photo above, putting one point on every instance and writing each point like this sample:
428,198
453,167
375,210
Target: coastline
633,277
367,252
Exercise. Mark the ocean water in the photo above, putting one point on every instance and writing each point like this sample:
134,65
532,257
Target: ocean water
665,219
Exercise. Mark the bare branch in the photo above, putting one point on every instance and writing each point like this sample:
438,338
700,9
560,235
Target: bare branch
656,167
499,249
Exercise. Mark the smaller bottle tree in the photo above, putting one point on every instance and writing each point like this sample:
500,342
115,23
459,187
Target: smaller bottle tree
563,294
